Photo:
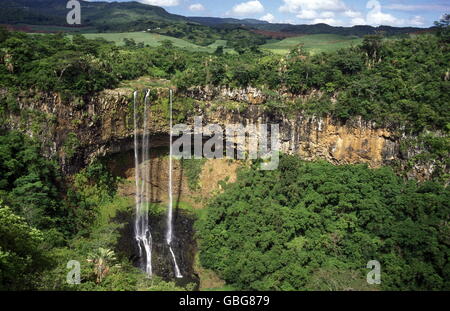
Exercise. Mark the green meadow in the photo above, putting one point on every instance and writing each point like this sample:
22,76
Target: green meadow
313,43
154,40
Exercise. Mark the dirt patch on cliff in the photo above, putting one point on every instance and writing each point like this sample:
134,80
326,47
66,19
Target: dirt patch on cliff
213,172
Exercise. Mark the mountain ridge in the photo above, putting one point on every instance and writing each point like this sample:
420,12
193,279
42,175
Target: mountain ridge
133,16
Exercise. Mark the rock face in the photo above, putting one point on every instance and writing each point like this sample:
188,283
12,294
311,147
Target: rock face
314,138
249,95
103,124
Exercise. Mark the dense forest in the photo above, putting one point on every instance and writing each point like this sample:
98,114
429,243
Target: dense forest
306,226
315,226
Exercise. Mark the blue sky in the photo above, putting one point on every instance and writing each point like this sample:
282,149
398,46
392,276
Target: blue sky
417,13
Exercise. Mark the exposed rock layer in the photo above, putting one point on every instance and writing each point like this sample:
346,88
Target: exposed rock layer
103,125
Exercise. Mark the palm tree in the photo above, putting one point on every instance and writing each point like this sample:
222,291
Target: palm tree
102,258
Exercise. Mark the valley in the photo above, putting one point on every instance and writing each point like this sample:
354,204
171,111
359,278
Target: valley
93,119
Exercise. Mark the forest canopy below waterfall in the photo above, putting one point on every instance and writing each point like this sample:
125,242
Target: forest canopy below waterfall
305,226
315,226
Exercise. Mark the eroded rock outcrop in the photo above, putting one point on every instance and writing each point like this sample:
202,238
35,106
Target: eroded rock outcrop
103,124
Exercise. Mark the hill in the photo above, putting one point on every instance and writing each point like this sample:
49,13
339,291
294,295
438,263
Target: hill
343,31
215,21
114,17
289,30
50,15
104,15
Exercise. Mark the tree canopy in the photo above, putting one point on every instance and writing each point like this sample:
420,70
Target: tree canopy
287,229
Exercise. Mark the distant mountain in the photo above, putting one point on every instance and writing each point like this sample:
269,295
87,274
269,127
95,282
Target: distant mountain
288,29
215,21
362,30
136,16
106,15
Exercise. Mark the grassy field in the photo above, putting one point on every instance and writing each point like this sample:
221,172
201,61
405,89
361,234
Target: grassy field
52,29
313,43
154,40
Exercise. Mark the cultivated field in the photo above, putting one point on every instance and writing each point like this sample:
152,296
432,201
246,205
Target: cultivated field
154,40
313,43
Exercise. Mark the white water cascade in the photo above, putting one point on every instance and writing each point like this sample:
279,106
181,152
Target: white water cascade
142,232
169,233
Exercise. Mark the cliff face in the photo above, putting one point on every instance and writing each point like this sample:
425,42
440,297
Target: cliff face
77,131
321,138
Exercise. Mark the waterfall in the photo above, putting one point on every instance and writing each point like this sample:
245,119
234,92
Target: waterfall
142,178
169,233
141,226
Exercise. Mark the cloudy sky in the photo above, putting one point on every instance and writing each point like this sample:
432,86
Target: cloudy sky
419,13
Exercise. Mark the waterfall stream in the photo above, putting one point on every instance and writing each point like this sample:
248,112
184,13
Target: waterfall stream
142,232
169,233
142,228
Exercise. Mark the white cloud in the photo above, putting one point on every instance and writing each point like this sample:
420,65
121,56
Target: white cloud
337,13
310,14
417,21
161,2
352,14
416,7
358,21
307,14
268,18
196,7
327,14
247,8
319,11
379,18
297,6
376,17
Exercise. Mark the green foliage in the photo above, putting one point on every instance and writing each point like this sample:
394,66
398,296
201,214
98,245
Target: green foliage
393,82
219,51
102,269
444,28
48,226
22,257
70,145
427,149
192,168
28,182
92,187
79,66
292,228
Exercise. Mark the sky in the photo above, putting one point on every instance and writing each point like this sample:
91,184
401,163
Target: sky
417,13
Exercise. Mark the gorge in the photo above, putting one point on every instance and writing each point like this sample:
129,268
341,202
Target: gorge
118,123
90,172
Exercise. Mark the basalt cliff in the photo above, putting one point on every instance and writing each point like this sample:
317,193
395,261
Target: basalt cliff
77,130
